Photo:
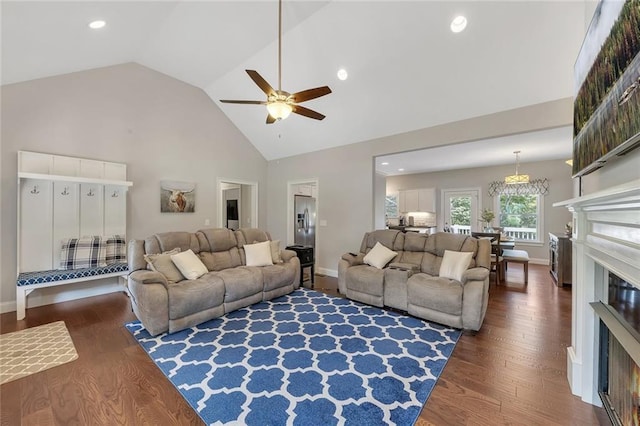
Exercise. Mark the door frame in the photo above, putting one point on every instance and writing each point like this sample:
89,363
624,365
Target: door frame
222,205
446,193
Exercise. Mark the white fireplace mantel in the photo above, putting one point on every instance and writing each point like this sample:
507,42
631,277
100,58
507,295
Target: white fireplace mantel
606,237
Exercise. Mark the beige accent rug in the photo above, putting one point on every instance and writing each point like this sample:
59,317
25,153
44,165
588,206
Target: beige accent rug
34,349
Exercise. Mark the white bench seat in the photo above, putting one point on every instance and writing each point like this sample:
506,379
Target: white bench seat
29,281
517,256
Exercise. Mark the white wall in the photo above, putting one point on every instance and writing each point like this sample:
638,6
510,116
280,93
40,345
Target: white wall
160,127
245,203
560,188
345,174
379,200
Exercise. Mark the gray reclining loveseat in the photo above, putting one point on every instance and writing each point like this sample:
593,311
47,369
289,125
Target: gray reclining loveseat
163,300
411,281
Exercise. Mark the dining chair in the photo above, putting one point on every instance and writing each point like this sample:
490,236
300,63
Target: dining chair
497,262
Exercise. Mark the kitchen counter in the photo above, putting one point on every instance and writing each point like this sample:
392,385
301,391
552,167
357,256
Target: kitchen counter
421,229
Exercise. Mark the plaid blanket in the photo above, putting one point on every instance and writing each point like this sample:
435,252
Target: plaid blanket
86,252
116,249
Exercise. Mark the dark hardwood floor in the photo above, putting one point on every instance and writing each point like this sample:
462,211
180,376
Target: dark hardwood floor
513,371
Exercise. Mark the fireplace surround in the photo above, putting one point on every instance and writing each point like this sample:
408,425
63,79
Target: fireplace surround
619,374
606,240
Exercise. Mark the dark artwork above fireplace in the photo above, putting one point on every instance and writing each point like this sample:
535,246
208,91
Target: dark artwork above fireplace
607,104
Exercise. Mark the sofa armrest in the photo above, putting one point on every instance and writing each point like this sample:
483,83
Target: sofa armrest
475,274
287,255
405,266
354,260
148,277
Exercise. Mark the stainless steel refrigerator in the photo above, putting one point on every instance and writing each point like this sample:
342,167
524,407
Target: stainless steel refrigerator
305,220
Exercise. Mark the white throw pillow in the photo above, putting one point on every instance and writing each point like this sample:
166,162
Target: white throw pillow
258,254
454,263
379,256
189,265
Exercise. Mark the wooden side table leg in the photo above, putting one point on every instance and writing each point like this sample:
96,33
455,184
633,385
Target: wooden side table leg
313,276
301,275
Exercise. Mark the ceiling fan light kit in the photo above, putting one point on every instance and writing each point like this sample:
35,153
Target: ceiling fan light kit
279,110
281,104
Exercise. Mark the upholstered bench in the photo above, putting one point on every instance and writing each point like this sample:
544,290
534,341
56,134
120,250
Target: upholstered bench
29,281
517,256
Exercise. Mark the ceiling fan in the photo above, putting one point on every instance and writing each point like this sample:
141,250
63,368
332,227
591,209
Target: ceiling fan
280,103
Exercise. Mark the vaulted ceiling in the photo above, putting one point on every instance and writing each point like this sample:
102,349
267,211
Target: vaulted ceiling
407,70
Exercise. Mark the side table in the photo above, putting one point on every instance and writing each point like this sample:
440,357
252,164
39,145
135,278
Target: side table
305,254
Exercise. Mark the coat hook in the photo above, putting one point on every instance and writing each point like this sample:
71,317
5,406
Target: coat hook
66,191
90,193
35,190
115,194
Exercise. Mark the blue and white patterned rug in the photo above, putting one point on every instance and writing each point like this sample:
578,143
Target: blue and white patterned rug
304,359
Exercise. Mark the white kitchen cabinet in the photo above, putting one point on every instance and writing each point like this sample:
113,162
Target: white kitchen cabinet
417,200
410,201
427,200
304,190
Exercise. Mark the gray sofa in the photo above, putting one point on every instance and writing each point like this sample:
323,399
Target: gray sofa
410,282
162,304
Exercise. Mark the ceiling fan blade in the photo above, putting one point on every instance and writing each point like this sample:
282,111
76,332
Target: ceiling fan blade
261,82
270,119
307,95
227,101
307,112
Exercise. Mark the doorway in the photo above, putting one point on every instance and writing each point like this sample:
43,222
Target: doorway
307,188
237,204
460,210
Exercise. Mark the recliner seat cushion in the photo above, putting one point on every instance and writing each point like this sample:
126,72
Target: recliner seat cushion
437,293
191,296
240,282
276,276
366,279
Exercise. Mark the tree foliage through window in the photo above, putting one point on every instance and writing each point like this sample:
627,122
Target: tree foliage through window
519,211
461,211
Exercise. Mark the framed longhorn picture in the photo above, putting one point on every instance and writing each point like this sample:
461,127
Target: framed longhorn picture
177,197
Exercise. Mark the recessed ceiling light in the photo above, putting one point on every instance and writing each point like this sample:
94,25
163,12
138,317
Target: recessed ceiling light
95,25
343,74
458,24
384,164
401,170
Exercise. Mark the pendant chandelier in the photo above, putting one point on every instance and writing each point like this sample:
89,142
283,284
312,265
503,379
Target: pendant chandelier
517,178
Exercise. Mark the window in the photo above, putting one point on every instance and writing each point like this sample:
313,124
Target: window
459,210
520,216
391,206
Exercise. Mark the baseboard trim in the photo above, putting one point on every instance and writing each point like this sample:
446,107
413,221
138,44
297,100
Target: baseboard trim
327,272
574,372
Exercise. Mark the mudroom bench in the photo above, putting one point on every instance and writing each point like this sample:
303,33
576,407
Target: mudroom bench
72,222
29,281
